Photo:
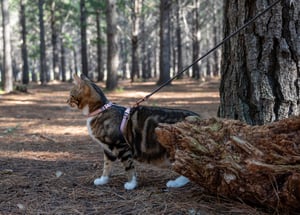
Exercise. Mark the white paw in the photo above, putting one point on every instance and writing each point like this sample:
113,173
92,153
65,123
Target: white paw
178,182
101,181
130,185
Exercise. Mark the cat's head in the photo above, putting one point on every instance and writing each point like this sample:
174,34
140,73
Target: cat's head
86,95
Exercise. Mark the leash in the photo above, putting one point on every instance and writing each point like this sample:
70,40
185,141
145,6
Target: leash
209,52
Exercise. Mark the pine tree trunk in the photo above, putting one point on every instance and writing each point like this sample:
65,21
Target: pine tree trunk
260,67
62,59
55,66
135,16
196,39
7,75
165,49
100,72
84,55
43,66
25,69
178,38
112,46
256,164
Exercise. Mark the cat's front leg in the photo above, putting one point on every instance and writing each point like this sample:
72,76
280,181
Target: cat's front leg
104,179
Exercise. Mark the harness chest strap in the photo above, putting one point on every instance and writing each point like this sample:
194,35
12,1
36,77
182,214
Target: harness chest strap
107,106
124,120
100,110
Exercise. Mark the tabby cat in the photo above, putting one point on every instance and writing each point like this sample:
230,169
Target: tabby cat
137,141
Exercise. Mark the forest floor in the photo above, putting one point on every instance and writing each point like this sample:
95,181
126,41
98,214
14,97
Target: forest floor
48,162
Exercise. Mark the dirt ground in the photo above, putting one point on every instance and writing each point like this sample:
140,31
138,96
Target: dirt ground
48,162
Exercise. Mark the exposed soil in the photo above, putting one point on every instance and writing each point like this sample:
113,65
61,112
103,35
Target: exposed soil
48,162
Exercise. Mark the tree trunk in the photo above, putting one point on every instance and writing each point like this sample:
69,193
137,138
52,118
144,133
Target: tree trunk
178,38
43,66
135,17
84,55
196,39
25,72
112,46
55,66
7,75
165,49
260,67
75,61
62,59
100,72
216,38
145,47
256,164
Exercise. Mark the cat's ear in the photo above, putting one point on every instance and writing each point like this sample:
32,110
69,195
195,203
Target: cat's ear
76,79
84,77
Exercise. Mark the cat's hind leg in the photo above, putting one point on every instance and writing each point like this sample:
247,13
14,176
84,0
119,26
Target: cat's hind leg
178,182
104,179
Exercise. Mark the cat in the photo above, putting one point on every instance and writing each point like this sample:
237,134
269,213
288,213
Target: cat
136,142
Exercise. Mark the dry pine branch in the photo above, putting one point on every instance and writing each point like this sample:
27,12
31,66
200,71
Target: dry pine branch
258,164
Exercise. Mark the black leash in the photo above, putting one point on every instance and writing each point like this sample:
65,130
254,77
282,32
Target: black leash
206,54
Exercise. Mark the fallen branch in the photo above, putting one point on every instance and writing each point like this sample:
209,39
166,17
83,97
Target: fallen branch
258,164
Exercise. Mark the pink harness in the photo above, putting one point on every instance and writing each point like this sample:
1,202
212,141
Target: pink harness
100,110
107,106
125,120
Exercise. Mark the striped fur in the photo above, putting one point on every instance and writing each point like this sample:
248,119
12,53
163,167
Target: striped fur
139,141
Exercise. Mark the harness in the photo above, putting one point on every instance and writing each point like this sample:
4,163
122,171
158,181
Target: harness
109,105
100,110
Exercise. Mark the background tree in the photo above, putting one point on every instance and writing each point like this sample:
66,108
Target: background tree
196,34
100,62
7,77
54,39
178,16
135,18
112,46
260,66
164,55
83,23
43,66
25,69
62,23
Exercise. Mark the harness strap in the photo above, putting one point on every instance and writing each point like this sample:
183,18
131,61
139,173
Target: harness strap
124,121
100,110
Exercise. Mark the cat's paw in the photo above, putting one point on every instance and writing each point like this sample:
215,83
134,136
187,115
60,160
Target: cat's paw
130,185
178,182
102,180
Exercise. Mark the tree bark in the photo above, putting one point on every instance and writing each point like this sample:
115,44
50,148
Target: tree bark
7,75
135,17
260,67
256,164
43,66
100,72
63,59
196,40
84,55
25,69
112,46
178,38
55,66
165,49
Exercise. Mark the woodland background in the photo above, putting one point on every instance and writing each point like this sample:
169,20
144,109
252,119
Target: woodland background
50,39
130,47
